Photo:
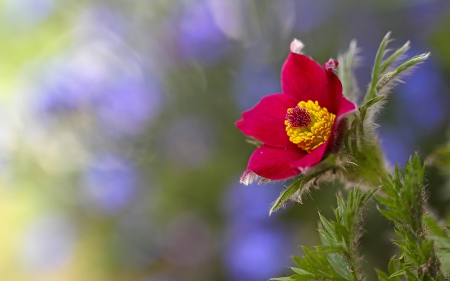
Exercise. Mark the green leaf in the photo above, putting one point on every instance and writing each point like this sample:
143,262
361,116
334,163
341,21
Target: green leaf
329,249
293,188
283,279
297,260
335,259
394,56
404,204
376,68
363,109
392,266
382,276
398,273
325,223
444,241
388,77
434,226
301,271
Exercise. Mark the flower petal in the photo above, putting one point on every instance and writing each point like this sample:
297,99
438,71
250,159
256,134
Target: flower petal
305,79
345,107
274,163
311,158
334,87
265,121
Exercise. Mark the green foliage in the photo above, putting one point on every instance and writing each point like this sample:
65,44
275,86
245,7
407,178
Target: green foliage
402,199
296,187
390,76
336,258
404,204
377,67
380,76
360,141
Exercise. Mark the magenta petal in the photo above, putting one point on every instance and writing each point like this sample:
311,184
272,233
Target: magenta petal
345,107
265,121
334,87
274,163
311,158
304,79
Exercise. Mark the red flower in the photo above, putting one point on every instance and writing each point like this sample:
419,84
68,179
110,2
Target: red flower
299,126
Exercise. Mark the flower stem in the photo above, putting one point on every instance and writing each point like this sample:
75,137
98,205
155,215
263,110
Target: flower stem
368,166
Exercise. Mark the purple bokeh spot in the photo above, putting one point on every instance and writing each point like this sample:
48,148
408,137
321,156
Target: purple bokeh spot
425,15
128,104
73,82
200,38
256,254
398,145
255,80
110,183
245,205
424,104
94,81
310,14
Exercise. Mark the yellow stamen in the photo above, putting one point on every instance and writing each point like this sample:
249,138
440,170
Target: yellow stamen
316,132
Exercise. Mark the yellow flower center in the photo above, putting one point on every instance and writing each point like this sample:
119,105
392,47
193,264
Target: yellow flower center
308,125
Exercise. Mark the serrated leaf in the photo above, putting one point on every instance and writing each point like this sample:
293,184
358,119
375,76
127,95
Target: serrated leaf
386,78
411,275
329,249
444,241
382,276
398,273
376,68
394,56
363,109
392,266
325,223
293,188
297,260
283,279
387,214
433,226
371,102
301,271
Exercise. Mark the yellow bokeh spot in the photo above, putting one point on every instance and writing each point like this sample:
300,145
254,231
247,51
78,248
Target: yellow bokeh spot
317,132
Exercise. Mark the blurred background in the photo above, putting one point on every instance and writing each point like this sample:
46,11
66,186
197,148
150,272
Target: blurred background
119,158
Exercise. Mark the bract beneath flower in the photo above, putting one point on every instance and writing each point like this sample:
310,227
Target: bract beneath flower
299,126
